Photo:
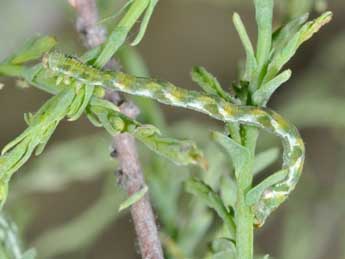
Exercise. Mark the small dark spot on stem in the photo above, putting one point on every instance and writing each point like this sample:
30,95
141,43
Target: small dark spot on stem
120,177
114,153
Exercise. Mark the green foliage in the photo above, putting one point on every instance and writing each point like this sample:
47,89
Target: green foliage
265,159
118,36
280,57
83,230
32,50
10,244
240,155
210,84
205,192
251,63
145,22
263,94
52,172
273,51
71,103
227,195
133,198
264,16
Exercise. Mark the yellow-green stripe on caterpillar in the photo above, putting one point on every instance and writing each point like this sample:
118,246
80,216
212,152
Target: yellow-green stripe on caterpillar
265,197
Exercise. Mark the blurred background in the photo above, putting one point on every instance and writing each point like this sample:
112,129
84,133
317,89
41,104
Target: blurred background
65,202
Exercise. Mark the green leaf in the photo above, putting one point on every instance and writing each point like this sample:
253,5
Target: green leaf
119,34
209,83
239,154
30,254
133,198
171,247
283,55
11,70
77,102
256,192
91,55
263,94
251,63
104,104
53,109
265,159
145,22
10,241
87,93
114,42
212,199
228,190
33,49
181,152
35,137
223,248
132,61
82,159
108,125
227,254
286,32
234,131
117,14
310,28
30,73
195,229
264,15
93,118
44,138
223,244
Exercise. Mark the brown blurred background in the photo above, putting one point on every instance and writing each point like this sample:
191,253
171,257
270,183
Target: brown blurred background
184,33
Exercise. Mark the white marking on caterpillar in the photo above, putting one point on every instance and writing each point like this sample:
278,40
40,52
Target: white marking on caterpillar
166,93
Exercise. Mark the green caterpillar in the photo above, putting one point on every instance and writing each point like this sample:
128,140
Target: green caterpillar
265,197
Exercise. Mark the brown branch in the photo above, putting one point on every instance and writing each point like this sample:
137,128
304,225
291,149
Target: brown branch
131,177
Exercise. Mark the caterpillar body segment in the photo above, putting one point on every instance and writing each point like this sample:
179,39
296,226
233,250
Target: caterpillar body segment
267,199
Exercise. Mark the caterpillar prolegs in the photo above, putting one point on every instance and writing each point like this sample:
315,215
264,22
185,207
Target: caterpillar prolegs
265,197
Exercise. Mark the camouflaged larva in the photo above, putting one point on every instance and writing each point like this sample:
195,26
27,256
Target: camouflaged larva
271,196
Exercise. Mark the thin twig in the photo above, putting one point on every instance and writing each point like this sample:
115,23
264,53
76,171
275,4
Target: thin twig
132,179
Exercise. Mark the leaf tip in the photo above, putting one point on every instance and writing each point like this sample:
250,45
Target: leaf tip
325,18
288,73
235,17
315,25
134,198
